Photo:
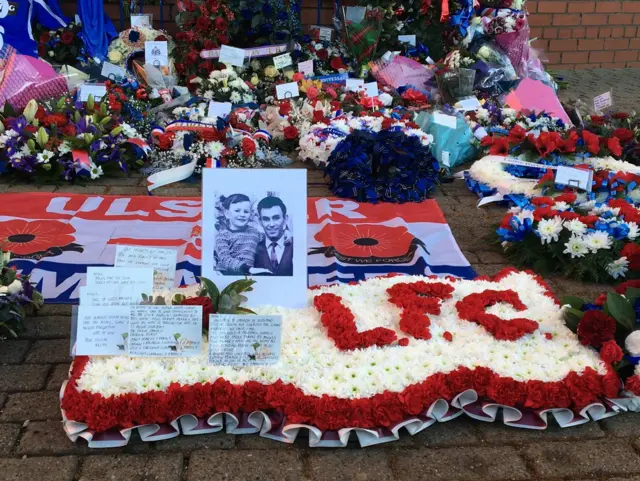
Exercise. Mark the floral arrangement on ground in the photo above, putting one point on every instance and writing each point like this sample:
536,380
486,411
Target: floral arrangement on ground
369,356
580,238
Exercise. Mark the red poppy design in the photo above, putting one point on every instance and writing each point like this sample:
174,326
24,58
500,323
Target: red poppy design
592,141
500,146
517,135
22,237
366,240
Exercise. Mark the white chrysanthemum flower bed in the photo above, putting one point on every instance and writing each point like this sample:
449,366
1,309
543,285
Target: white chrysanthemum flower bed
310,360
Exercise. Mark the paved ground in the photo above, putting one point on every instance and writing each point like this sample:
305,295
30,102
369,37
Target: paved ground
586,84
33,445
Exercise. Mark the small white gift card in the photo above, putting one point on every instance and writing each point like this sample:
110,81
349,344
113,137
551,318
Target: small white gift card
355,84
468,104
306,68
371,89
444,119
602,101
96,90
572,177
234,56
282,61
156,54
142,20
287,91
324,33
219,109
113,72
410,39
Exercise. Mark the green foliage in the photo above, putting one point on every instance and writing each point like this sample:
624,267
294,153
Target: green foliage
621,310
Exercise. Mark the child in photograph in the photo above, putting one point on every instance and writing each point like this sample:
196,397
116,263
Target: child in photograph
236,240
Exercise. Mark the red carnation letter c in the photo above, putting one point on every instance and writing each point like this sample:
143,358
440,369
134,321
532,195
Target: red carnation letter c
473,309
417,299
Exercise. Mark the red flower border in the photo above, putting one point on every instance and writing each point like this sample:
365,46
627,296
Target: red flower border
328,412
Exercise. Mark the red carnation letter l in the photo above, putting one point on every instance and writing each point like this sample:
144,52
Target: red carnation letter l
341,326
473,309
417,299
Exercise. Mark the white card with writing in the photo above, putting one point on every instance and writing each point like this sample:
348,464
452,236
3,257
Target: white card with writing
578,178
219,109
602,101
444,119
165,331
96,90
102,330
162,261
287,91
142,20
355,84
371,89
234,56
306,68
125,279
113,72
156,53
410,39
472,103
106,296
282,61
238,340
324,33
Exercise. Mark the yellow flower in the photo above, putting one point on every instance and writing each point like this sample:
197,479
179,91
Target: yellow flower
271,71
255,80
115,56
289,74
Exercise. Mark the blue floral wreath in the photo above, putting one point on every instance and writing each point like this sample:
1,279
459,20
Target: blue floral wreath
388,166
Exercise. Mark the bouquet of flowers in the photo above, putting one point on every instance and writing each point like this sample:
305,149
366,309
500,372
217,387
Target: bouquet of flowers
16,292
580,238
132,101
66,140
625,127
62,46
611,324
385,166
132,41
204,25
225,86
503,20
328,57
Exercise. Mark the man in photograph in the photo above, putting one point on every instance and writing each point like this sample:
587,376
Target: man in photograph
274,254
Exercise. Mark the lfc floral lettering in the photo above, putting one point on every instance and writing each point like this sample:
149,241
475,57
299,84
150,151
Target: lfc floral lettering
417,299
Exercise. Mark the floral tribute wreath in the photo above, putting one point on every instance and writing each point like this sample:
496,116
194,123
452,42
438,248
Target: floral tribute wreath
372,358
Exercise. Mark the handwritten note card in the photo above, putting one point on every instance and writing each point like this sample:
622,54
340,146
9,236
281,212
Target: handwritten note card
142,20
306,68
244,340
156,53
578,178
282,61
287,91
113,72
232,55
125,280
602,101
102,331
106,296
162,261
165,331
219,109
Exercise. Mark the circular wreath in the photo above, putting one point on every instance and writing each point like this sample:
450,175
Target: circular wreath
386,166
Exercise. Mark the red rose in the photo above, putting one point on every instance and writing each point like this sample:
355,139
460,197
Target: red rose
248,147
67,38
30,128
622,288
625,135
291,132
165,141
212,135
285,108
59,120
337,63
620,115
610,352
591,141
322,54
221,23
209,45
203,23
507,391
597,120
44,37
632,252
613,144
596,327
318,116
68,130
207,308
223,39
633,384
191,58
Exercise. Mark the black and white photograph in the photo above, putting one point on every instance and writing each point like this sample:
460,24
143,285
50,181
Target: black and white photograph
254,227
253,235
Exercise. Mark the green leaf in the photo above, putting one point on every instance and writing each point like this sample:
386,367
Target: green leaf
621,310
177,336
116,131
573,301
244,310
90,103
211,290
226,305
572,318
632,294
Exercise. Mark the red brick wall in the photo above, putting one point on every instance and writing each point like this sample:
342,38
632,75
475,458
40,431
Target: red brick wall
587,34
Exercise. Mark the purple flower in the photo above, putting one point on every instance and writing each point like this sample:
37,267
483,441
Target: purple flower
18,123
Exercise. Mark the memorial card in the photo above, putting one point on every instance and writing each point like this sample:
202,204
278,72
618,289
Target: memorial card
165,331
97,91
156,53
162,261
125,280
254,224
102,330
238,340
107,296
233,55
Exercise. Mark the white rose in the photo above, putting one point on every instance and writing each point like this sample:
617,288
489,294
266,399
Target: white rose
386,99
15,287
632,343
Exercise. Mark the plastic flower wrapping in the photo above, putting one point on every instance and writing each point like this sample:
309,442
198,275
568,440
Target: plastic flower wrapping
17,294
224,86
